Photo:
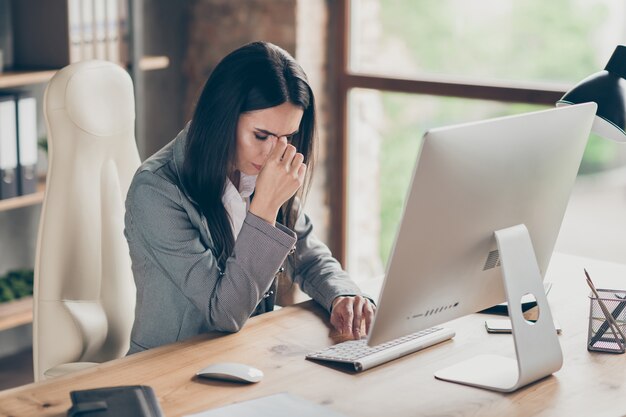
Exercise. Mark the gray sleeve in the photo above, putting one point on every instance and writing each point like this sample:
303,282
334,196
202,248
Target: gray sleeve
226,298
317,272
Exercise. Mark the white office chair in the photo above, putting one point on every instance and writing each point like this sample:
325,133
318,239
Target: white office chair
84,294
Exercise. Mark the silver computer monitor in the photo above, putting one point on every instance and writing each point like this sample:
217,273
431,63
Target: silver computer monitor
469,181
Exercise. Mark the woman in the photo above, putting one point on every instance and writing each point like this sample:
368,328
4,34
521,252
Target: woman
212,217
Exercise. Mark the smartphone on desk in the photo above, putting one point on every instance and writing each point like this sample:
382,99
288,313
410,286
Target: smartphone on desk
528,302
504,326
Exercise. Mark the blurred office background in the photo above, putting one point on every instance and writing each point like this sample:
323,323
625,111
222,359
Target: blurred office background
383,71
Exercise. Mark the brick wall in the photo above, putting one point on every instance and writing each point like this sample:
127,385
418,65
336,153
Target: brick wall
217,27
312,53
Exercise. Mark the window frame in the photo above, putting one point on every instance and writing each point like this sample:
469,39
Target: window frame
346,80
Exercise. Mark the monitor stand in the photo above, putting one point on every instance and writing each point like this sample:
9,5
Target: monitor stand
536,344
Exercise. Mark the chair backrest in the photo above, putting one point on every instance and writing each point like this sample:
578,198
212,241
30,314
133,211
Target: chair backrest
84,295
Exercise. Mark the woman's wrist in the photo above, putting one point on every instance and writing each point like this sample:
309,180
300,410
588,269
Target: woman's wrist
266,213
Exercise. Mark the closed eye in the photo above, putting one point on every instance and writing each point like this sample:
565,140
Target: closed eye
264,137
262,134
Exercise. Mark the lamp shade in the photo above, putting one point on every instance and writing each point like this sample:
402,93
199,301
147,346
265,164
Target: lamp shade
608,89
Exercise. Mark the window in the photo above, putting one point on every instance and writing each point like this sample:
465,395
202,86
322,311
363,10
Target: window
558,41
412,65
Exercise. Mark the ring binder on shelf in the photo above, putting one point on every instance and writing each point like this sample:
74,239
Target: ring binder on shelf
74,30
8,148
27,143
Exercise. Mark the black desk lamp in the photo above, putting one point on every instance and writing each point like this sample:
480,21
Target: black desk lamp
608,89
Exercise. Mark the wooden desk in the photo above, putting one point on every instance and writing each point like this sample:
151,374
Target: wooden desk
589,384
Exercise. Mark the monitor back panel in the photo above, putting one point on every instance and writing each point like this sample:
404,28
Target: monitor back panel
469,181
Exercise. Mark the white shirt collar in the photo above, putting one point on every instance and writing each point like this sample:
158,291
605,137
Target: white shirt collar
236,202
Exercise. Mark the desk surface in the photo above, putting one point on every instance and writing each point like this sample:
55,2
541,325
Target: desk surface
588,384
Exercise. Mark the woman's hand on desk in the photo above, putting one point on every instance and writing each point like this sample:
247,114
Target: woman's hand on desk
352,315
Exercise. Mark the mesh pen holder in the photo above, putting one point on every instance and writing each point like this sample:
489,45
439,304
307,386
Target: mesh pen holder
601,338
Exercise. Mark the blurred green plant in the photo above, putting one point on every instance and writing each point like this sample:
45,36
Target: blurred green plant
16,284
530,39
600,154
42,143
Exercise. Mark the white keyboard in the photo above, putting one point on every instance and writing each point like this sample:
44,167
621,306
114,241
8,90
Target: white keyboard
362,356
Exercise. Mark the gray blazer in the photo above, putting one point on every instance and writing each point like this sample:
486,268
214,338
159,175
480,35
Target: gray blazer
181,291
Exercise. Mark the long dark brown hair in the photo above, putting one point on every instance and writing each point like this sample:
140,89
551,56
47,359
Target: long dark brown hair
256,76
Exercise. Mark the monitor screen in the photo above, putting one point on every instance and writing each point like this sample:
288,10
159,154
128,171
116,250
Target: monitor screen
470,181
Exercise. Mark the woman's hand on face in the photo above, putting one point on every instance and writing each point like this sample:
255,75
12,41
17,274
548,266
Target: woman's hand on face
281,176
352,316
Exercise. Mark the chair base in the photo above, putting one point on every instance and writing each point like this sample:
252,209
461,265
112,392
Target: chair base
67,368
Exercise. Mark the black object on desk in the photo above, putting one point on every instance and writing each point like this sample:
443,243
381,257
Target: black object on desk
605,326
597,342
123,401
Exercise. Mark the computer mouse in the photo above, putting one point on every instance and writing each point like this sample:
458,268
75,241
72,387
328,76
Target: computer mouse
230,371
